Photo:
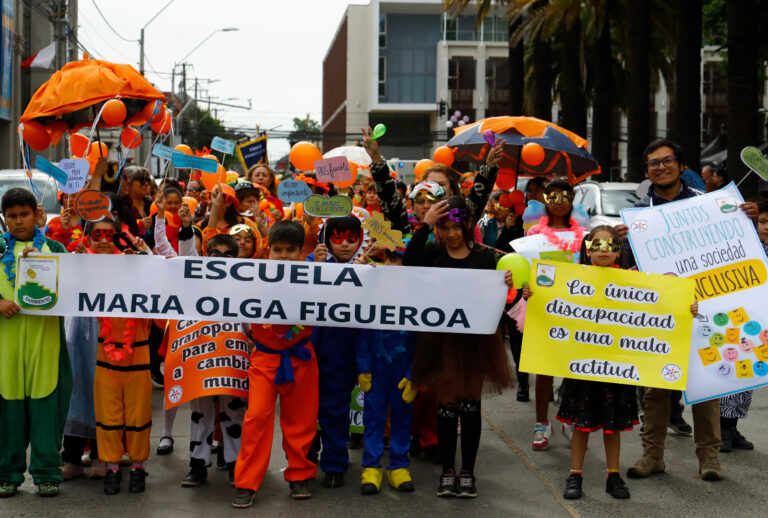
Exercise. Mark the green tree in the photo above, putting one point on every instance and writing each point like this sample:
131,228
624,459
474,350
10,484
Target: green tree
305,129
199,126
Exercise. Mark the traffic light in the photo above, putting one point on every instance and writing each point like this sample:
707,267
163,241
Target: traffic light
442,106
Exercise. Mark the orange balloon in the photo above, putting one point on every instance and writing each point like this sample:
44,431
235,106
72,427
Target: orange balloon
505,179
144,115
130,138
444,155
78,144
303,156
162,125
211,179
98,150
506,201
349,183
36,136
160,114
532,154
421,166
183,148
114,112
191,203
56,131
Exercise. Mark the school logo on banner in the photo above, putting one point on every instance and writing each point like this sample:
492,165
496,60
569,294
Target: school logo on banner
604,324
37,282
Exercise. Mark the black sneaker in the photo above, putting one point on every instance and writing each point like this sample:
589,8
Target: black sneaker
740,442
467,488
615,486
726,440
680,427
231,470
448,484
333,480
136,483
48,488
243,498
300,490
7,489
573,487
522,393
112,482
355,441
220,462
196,476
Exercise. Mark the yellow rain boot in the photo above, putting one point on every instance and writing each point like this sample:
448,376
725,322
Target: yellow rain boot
400,479
370,481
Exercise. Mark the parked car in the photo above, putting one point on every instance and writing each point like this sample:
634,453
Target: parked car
10,178
604,200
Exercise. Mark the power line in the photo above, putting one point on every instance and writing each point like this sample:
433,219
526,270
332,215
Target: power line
110,25
92,28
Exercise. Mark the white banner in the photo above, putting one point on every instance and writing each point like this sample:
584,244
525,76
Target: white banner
246,290
709,239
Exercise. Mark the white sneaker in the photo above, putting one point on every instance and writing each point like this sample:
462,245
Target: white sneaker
541,435
567,430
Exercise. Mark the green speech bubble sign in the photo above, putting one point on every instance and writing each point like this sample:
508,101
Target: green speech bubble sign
755,160
323,207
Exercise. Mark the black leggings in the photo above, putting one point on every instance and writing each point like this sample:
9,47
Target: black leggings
471,424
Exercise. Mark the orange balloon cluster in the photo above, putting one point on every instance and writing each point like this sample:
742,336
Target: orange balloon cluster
303,156
421,166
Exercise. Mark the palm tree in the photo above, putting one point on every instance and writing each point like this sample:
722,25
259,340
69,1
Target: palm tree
571,84
742,88
639,92
603,94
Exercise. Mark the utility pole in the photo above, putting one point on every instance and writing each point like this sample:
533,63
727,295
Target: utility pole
72,35
197,116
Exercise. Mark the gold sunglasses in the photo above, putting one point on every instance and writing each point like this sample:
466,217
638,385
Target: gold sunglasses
557,197
597,245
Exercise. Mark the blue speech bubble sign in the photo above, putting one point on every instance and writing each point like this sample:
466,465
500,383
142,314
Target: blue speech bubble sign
162,151
51,170
223,145
290,191
183,161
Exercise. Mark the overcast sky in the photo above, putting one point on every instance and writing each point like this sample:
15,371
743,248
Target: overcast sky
275,58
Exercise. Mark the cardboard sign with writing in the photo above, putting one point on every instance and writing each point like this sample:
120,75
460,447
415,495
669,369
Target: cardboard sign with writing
290,191
205,359
334,169
51,170
604,324
223,145
381,230
77,171
183,161
328,207
93,205
161,151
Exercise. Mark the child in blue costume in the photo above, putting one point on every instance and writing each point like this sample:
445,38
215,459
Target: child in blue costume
340,242
384,361
35,373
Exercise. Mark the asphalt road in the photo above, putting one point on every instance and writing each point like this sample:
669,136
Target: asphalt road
513,480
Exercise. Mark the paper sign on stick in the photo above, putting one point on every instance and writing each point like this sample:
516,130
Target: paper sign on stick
51,170
77,171
223,145
604,324
289,191
334,169
161,151
381,230
93,205
333,207
755,160
182,161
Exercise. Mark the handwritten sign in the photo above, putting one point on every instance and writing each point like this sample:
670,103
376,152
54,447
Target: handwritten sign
77,171
93,205
161,151
381,230
539,247
51,170
223,145
604,324
334,169
333,207
289,191
183,161
755,160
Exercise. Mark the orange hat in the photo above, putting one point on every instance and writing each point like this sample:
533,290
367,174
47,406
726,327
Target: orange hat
229,192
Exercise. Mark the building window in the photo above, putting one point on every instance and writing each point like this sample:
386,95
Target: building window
461,73
382,31
382,76
451,29
495,28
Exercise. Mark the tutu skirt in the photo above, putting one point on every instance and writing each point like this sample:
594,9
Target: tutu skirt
592,405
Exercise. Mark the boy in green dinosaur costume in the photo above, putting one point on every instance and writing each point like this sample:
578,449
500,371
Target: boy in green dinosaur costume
35,374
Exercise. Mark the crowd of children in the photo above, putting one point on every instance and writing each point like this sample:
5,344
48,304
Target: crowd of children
419,387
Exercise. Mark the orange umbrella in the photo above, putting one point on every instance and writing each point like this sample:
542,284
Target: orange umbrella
70,93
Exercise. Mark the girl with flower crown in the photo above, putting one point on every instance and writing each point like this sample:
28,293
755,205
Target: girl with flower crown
457,366
122,388
558,196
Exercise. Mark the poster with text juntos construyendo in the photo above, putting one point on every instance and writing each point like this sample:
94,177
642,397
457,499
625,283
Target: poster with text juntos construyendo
709,239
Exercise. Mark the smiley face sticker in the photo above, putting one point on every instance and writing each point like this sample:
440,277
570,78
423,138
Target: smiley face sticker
738,316
720,319
724,369
760,368
763,336
717,339
744,369
752,328
704,330
732,335
730,354
761,352
746,345
709,355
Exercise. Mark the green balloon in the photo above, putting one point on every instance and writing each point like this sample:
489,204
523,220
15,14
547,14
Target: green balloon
378,131
518,265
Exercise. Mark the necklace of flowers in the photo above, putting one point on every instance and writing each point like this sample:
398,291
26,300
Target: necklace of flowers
288,335
9,258
114,352
562,244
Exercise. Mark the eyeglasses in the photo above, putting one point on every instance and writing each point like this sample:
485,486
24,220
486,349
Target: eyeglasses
596,245
196,189
218,253
143,181
102,234
655,163
338,237
557,197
